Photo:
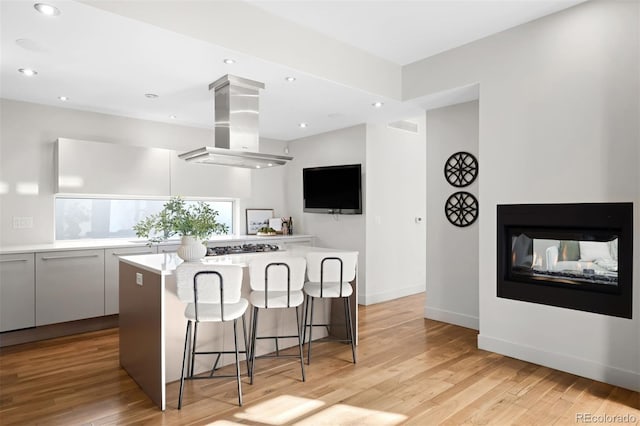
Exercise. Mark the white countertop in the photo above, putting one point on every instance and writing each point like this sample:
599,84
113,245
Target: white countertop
166,263
120,243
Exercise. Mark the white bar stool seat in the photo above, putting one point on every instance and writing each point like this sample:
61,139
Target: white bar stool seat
276,299
329,291
208,312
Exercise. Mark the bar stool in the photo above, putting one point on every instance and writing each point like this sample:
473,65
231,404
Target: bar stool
276,283
329,276
212,294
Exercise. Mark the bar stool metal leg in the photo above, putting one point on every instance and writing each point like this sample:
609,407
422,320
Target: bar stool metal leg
246,345
304,320
235,340
312,299
254,332
193,348
184,359
300,344
349,324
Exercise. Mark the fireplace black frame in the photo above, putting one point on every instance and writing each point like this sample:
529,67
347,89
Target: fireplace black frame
545,218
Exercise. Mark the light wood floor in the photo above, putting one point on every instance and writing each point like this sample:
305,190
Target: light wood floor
409,371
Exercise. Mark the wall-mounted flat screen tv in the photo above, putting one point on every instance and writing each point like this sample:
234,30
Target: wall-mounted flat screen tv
333,189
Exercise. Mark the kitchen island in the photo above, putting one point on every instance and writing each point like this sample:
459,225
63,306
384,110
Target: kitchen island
152,324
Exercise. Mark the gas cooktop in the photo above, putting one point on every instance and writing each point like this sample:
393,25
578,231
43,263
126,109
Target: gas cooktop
244,248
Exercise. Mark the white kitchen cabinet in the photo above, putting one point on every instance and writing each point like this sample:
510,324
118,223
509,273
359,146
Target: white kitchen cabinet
294,241
168,248
17,291
69,285
124,170
111,273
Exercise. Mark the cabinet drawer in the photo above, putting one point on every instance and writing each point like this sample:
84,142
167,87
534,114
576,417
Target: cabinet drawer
69,285
111,272
17,291
286,245
169,248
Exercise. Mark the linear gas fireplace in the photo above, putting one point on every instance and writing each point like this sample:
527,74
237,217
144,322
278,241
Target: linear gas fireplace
576,256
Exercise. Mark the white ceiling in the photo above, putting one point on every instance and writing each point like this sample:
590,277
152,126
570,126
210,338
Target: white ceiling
106,62
406,31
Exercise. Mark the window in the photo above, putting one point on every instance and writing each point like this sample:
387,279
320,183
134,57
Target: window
80,218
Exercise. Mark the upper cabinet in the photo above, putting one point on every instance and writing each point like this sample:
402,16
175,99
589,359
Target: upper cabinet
84,167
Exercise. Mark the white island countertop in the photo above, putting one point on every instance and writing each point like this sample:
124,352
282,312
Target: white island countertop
123,243
166,263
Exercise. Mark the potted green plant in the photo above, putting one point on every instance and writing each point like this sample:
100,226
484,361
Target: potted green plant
193,222
266,230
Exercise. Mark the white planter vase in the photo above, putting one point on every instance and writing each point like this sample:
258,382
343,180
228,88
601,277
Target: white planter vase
191,250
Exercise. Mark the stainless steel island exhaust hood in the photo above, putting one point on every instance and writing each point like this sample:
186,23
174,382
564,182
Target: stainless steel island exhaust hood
236,140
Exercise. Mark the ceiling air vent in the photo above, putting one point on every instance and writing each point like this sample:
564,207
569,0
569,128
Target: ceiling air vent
407,126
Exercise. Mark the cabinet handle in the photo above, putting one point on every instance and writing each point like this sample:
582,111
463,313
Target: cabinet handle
12,260
131,254
78,256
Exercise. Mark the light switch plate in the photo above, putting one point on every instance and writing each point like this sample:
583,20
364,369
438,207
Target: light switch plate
138,278
22,222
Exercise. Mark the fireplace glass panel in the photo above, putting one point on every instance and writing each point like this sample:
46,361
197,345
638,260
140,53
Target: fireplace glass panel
575,256
589,260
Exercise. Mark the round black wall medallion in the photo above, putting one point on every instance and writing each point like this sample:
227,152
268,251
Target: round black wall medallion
461,209
461,169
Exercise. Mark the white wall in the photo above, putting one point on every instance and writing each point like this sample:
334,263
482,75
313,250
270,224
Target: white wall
344,146
558,123
396,196
452,252
267,186
27,135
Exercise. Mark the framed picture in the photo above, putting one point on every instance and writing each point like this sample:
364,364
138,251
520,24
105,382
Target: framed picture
257,218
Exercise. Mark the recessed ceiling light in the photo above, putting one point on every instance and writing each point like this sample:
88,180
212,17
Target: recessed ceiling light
290,79
47,9
377,104
151,95
302,125
173,117
28,72
257,166
270,164
63,98
229,61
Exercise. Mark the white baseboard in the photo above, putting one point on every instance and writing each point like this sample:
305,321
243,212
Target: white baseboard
578,366
455,318
396,293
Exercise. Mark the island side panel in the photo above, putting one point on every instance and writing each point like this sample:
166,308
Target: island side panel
141,330
337,328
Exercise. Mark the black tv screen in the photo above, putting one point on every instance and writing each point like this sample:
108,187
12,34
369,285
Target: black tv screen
333,189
